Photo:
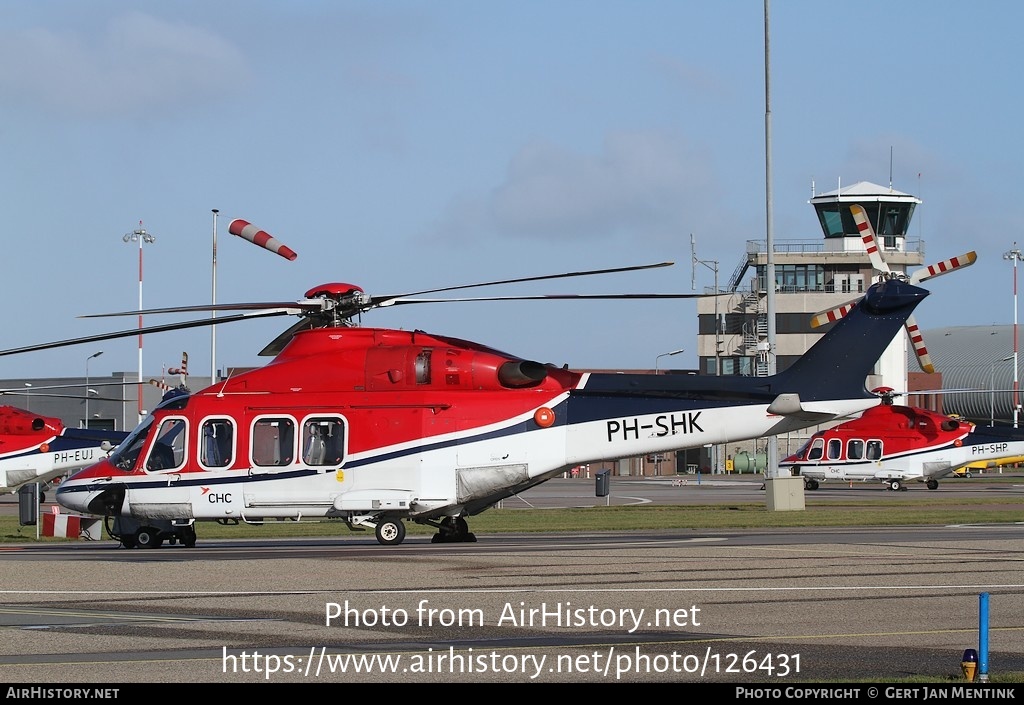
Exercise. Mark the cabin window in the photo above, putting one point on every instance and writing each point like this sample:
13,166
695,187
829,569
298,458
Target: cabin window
217,444
855,449
168,451
835,449
874,450
817,447
323,441
273,442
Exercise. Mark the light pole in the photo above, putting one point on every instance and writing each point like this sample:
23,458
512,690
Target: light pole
213,302
1014,255
708,264
674,352
992,388
142,237
87,390
28,399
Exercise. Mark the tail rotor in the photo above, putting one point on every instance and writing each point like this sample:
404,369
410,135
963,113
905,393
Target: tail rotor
870,240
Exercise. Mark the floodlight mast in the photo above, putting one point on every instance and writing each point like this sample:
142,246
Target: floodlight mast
141,236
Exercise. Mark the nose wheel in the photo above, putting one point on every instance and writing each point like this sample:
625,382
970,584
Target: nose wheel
390,532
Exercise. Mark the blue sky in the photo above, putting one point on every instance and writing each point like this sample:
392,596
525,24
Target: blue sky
404,146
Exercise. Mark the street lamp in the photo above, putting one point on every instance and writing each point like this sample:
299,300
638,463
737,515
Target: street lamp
87,390
674,352
140,236
213,302
1014,255
28,399
693,281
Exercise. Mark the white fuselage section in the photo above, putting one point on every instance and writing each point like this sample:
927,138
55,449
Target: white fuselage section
413,479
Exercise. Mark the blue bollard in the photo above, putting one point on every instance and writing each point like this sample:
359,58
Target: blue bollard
983,636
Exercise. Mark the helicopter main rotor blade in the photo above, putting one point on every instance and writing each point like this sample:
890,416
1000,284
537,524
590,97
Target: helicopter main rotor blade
151,329
312,306
378,300
541,297
303,306
64,396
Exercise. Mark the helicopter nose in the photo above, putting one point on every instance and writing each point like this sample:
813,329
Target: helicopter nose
88,499
72,498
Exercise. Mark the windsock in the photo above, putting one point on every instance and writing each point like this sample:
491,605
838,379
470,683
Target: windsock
248,231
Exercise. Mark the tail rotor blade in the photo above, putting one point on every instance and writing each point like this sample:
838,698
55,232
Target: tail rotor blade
832,315
944,267
920,349
867,236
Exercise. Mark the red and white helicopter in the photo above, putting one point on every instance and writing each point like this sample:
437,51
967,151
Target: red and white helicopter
36,448
376,427
896,444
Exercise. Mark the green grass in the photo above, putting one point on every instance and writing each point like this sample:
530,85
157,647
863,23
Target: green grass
818,513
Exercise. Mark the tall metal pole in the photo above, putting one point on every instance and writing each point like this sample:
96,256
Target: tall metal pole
87,390
772,451
1015,255
142,237
213,301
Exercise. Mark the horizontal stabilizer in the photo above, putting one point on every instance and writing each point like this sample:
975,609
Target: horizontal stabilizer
785,404
794,411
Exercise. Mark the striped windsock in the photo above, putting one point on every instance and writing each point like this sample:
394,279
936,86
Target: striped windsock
245,229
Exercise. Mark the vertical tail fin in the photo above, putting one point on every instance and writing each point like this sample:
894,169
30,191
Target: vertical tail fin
840,362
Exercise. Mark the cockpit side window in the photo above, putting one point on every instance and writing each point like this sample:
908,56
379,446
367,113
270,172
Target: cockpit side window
168,451
273,441
817,449
217,443
323,441
126,454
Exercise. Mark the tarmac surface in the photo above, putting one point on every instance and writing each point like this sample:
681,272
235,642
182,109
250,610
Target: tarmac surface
772,606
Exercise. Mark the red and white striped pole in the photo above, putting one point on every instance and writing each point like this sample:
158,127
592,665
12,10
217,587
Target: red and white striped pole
247,231
142,237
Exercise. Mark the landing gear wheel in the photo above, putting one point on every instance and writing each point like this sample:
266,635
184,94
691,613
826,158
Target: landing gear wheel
932,484
462,530
895,485
148,537
390,532
453,530
188,537
810,484
128,541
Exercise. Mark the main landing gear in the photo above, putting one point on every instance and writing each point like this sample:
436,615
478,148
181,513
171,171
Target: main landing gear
134,534
390,531
453,530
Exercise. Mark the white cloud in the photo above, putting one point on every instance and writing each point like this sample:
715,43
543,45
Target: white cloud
141,65
641,184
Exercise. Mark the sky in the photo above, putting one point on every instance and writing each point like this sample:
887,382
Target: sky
404,146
